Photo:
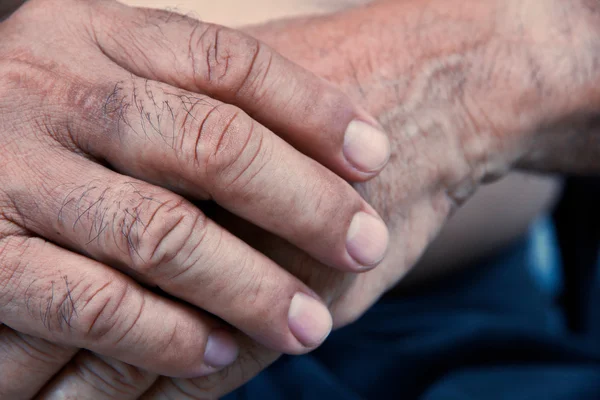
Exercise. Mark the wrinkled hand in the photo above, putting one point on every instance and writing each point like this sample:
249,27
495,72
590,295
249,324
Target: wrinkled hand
469,90
108,112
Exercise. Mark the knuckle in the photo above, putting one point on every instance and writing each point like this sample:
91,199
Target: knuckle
99,312
110,377
239,150
139,226
255,83
209,125
220,127
229,58
173,227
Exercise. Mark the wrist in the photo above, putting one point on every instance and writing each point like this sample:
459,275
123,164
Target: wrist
507,71
565,47
408,63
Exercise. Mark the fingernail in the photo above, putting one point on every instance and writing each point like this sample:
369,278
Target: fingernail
221,351
207,370
366,147
367,239
309,320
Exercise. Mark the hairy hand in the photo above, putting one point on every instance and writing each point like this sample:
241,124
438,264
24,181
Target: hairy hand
109,115
468,89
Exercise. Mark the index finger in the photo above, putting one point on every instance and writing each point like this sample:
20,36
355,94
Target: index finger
235,68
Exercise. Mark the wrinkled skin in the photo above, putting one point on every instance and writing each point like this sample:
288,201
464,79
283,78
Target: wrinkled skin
468,90
110,115
464,100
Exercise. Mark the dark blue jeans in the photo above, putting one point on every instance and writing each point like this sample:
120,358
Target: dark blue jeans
488,333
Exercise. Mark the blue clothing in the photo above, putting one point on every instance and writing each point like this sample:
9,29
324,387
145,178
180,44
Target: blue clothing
490,332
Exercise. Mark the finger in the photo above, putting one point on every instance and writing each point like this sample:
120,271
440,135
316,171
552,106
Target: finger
204,148
237,69
65,298
27,363
328,283
169,243
253,359
91,376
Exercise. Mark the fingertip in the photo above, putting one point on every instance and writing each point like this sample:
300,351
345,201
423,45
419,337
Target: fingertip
366,147
221,351
309,320
367,240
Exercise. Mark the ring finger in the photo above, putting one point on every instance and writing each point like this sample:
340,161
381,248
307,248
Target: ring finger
165,240
27,363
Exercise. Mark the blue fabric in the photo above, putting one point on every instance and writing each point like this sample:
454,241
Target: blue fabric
489,333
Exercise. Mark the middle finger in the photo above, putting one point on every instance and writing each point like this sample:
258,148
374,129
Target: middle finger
203,148
166,241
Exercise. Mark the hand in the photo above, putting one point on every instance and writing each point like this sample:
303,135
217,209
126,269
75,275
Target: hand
102,123
452,82
462,108
411,83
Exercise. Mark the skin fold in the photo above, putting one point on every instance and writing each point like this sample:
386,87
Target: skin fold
430,173
99,147
509,205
